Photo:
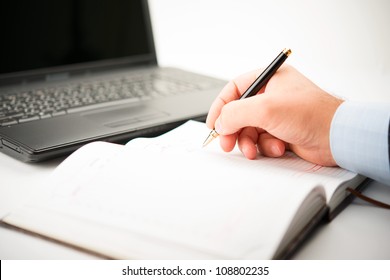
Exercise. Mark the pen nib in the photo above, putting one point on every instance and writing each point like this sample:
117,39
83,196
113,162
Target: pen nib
213,134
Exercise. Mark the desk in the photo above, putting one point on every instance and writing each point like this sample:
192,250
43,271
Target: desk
361,231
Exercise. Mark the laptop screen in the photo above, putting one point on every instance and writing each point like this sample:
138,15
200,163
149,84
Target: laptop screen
46,33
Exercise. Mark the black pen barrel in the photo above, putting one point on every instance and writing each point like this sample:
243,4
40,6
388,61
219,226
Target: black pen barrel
266,74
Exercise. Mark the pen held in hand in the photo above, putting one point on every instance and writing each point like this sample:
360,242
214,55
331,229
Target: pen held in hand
254,88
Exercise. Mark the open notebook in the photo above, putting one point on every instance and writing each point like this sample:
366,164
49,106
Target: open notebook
169,198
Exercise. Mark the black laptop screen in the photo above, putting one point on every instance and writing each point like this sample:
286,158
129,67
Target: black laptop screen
51,33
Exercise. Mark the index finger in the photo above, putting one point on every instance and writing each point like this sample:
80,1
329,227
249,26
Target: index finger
232,91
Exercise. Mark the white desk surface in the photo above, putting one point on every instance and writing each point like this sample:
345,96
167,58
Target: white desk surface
361,231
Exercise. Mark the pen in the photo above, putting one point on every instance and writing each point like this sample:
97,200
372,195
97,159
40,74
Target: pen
257,85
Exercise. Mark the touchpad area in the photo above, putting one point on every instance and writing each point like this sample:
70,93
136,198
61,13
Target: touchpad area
116,117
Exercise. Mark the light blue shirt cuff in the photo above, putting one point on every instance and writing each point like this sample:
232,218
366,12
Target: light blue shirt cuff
359,139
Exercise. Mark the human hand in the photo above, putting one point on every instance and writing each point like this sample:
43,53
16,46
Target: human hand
289,113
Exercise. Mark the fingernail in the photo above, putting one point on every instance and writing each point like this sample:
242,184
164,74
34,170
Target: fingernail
276,150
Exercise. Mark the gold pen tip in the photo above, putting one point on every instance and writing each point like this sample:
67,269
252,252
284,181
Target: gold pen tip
287,51
213,134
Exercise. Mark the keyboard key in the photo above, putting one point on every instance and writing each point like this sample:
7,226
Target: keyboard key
10,122
58,113
29,119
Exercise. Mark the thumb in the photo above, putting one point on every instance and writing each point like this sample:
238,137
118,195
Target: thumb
238,114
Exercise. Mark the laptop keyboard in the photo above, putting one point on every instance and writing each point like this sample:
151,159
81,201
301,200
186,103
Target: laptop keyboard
26,106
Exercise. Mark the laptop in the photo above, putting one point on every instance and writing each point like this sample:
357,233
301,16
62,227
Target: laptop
72,72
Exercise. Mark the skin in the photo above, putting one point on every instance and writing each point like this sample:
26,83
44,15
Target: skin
289,113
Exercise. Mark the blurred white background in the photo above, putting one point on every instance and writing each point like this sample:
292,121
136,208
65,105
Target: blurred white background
343,46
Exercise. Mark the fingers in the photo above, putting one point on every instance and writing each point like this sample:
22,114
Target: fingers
247,142
270,146
227,142
252,140
253,111
232,91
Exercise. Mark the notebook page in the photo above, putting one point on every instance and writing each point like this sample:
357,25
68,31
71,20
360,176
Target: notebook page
194,133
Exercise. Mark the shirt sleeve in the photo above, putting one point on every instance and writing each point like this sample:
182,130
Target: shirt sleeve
359,139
